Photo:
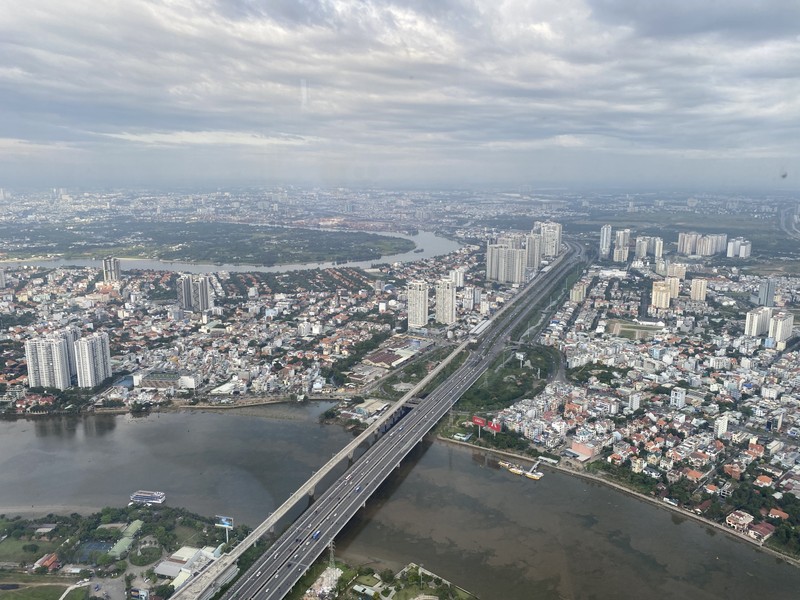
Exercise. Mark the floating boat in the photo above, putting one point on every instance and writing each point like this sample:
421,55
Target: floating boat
148,497
532,473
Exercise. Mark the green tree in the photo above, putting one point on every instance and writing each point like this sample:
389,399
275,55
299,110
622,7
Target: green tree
387,576
165,590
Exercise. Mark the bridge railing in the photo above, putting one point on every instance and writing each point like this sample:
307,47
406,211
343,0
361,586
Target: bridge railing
206,583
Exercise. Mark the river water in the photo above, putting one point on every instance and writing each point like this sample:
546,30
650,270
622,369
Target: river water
430,244
501,536
241,465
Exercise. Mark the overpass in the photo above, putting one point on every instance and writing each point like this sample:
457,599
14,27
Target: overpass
389,440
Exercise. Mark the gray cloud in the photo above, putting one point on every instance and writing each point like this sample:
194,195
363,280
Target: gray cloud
451,92
743,19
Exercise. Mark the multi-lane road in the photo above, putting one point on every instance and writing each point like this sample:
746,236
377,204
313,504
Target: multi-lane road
279,569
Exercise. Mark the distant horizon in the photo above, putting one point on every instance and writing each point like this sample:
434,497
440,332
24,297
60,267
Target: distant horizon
211,187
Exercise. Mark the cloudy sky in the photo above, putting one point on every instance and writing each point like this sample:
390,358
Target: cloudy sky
577,93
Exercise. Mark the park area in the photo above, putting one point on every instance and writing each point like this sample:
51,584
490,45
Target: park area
632,330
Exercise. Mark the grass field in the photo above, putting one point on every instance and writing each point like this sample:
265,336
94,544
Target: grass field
631,330
37,592
778,268
681,221
11,550
185,535
144,556
369,580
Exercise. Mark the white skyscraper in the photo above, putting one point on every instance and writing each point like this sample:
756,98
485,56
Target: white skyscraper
492,260
745,249
93,358
417,304
513,266
468,299
640,248
674,286
505,264
578,292
698,291
111,271
512,240
660,295
533,251
605,241
457,275
551,238
71,334
676,270
446,301
201,293
658,247
184,286
47,362
677,397
194,293
720,425
622,239
766,292
757,321
687,242
780,326
739,248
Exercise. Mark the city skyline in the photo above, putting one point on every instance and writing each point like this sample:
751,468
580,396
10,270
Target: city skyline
450,94
671,367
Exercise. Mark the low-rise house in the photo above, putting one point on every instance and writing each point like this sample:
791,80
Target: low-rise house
763,481
739,520
761,531
776,513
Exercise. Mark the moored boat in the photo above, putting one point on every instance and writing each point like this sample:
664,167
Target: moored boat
148,497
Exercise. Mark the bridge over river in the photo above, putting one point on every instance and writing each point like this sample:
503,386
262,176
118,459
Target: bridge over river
323,513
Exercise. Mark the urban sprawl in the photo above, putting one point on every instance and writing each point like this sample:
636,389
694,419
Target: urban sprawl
680,361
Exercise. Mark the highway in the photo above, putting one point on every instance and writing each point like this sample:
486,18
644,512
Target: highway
279,569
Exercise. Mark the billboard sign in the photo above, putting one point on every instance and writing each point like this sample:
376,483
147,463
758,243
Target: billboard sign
225,522
479,421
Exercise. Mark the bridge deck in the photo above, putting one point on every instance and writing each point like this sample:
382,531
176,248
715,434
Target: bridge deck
274,574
